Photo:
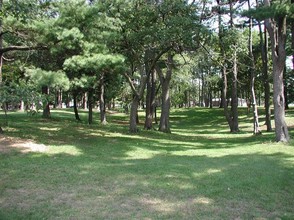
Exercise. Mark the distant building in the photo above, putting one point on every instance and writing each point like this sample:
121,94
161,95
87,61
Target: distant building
241,102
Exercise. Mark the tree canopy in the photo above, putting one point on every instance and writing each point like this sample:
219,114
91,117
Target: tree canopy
170,53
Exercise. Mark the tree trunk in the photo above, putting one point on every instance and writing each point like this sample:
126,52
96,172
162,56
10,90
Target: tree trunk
46,107
165,108
76,107
22,106
256,128
134,115
148,109
235,123
292,45
90,107
164,125
266,84
224,71
59,98
137,96
1,54
228,114
85,100
1,43
150,101
224,94
281,128
234,107
277,33
102,101
285,83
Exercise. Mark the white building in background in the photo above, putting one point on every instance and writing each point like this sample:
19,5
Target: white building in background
241,102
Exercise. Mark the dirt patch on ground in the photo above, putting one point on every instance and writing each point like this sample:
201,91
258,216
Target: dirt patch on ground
8,144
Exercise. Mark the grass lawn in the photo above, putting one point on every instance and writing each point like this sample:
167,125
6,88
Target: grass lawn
62,169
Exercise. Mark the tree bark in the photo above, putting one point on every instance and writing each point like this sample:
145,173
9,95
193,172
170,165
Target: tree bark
59,98
235,123
137,96
75,106
234,103
164,125
46,107
90,107
134,115
224,74
150,101
102,101
292,45
256,128
285,83
277,32
148,110
266,84
85,100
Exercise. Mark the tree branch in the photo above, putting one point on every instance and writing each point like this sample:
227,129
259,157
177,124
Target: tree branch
130,81
21,48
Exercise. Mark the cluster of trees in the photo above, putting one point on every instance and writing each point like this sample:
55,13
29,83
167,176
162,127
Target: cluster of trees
154,53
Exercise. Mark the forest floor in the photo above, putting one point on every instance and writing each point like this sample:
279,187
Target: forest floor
62,169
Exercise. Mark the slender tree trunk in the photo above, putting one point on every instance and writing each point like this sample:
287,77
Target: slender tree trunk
137,96
224,71
58,100
90,107
1,54
277,33
256,128
286,89
227,113
235,123
46,107
148,109
134,115
85,100
102,101
234,108
292,45
1,43
150,101
1,60
224,93
75,106
266,84
164,125
281,128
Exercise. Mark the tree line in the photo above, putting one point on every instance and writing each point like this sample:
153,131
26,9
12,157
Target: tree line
155,53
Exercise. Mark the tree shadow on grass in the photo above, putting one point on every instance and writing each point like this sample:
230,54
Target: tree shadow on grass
162,186
115,175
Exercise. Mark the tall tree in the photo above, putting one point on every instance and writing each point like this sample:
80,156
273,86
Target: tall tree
276,27
153,29
256,128
266,82
229,36
164,125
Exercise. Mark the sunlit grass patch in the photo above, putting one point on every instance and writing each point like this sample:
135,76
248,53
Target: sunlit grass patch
199,171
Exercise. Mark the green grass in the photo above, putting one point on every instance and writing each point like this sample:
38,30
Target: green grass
200,171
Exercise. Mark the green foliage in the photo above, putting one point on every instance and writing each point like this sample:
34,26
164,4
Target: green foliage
95,63
56,80
13,94
276,10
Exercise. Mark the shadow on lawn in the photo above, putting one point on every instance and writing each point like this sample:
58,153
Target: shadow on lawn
113,186
150,175
194,131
